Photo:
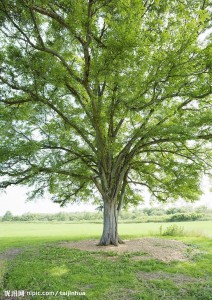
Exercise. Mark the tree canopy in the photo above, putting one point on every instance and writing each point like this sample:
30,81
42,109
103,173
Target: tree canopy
105,96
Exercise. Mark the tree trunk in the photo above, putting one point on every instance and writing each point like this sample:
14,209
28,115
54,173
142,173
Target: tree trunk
110,225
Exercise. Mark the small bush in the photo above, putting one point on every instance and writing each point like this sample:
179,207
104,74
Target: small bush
173,230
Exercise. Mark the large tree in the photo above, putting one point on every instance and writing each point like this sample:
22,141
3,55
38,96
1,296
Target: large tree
104,96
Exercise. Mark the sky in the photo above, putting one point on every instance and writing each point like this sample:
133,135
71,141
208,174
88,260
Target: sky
14,200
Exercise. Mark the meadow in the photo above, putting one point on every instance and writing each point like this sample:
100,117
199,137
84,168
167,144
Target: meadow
43,266
20,233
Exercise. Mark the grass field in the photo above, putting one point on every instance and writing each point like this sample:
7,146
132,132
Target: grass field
90,230
20,234
42,266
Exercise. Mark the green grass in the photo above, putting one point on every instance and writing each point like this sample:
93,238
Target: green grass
43,266
21,234
67,230
50,268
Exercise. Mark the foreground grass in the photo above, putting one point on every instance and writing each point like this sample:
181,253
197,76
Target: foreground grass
49,268
45,267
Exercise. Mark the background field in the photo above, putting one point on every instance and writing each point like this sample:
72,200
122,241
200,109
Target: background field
74,231
21,234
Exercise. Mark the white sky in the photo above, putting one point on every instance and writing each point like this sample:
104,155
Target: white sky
15,201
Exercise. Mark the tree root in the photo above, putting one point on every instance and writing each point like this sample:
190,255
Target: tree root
108,242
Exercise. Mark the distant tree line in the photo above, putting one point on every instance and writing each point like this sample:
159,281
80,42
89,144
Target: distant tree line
154,214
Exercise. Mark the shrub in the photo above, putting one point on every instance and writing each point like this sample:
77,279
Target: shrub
173,230
185,217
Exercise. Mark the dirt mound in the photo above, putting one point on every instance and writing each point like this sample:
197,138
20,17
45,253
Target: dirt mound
156,248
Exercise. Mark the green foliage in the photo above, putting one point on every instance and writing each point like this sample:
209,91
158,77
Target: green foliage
153,214
173,230
7,216
185,217
155,211
100,97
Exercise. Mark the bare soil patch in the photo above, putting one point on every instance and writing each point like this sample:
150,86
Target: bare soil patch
156,248
11,253
177,279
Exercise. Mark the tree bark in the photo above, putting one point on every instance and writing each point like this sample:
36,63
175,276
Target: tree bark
110,225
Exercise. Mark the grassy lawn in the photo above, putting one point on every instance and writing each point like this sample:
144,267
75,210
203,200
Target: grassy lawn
70,231
45,267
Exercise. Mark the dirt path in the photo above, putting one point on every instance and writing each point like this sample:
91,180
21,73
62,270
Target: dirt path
10,253
156,248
